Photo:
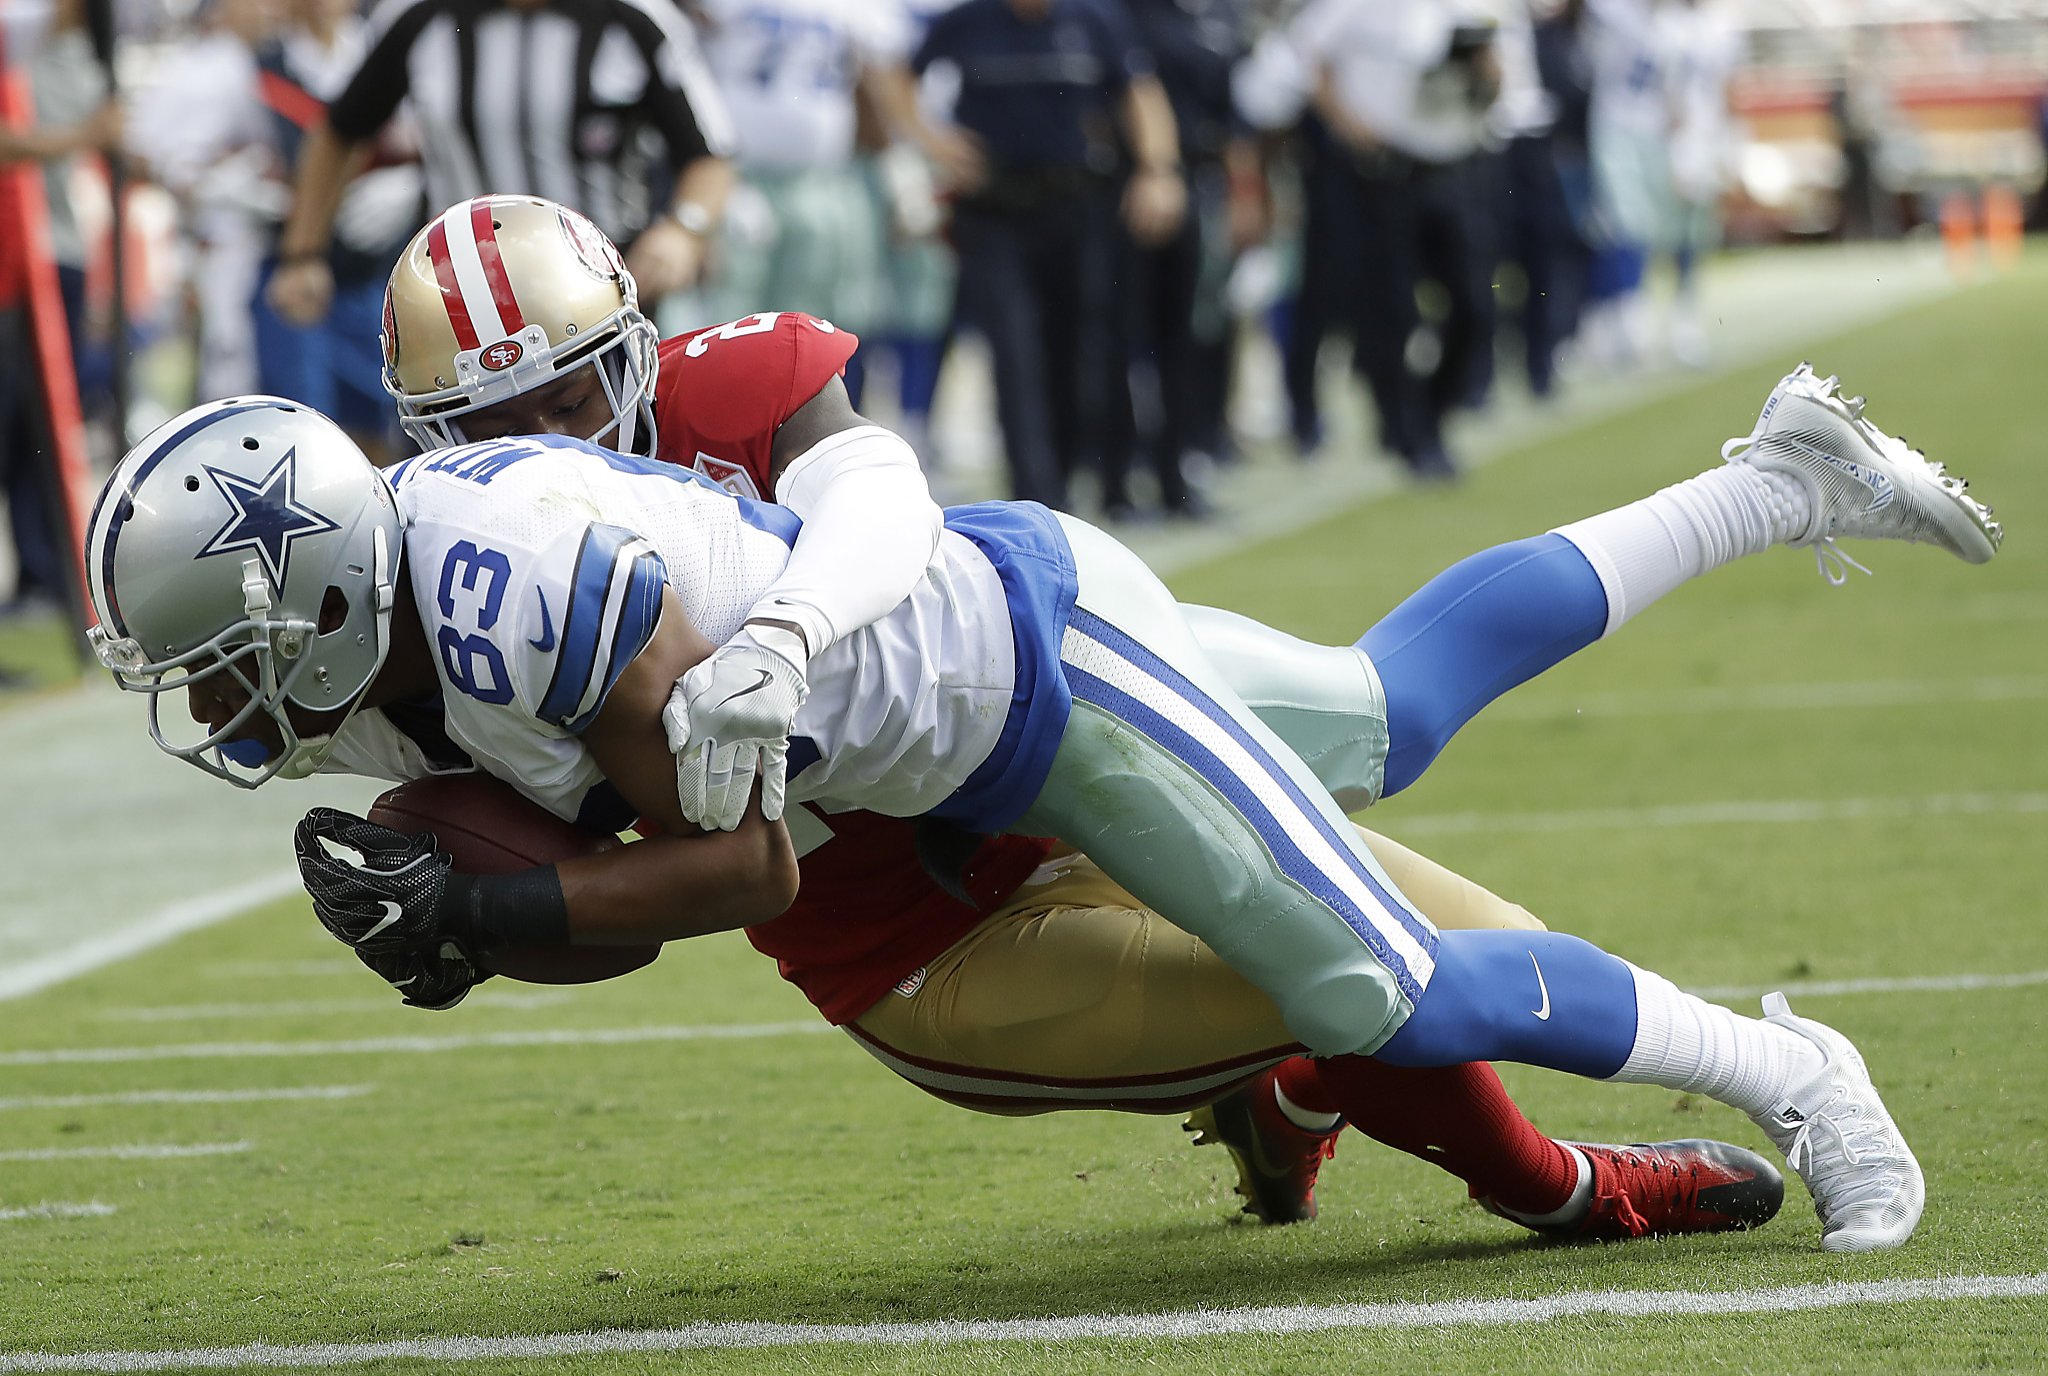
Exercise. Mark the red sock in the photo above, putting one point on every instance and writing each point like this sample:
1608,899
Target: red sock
1458,1117
1305,1086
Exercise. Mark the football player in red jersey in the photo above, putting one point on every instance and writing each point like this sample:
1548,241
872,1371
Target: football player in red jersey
513,316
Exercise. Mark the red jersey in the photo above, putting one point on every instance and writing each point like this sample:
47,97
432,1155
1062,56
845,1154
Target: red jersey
721,394
868,913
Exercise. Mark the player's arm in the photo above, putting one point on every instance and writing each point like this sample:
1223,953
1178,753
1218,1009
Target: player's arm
870,524
870,528
683,883
391,895
334,153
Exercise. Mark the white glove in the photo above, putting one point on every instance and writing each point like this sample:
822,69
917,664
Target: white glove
728,722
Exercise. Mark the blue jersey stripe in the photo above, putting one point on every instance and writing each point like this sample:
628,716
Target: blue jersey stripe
583,622
1119,643
639,612
1293,863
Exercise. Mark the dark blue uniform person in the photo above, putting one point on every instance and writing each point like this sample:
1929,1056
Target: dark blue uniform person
1061,97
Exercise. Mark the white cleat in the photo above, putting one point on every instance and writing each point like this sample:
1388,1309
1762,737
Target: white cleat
1864,484
1835,1131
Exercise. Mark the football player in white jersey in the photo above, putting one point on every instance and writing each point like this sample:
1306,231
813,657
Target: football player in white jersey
1038,677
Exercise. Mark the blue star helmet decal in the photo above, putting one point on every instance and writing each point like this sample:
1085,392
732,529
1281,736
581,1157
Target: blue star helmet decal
267,517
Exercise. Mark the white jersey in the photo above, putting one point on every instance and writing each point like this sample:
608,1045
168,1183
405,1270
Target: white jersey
788,70
538,567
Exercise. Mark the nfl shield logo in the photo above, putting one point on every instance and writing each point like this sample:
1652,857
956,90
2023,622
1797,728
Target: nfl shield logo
731,476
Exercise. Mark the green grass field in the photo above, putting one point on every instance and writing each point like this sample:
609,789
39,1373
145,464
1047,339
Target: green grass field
546,1183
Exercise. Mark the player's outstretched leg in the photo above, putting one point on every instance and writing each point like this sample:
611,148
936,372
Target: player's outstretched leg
1181,794
1461,1120
1813,470
1278,1147
1559,1002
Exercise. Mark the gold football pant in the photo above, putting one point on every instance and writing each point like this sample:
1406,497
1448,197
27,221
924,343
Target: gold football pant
1073,995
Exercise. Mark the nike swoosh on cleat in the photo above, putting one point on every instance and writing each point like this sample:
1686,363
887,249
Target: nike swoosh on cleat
547,624
753,687
1881,490
1543,1013
392,912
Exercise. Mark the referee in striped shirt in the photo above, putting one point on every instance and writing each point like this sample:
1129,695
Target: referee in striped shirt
543,97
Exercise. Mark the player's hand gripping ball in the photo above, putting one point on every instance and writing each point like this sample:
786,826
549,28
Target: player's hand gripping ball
376,889
484,826
379,891
436,976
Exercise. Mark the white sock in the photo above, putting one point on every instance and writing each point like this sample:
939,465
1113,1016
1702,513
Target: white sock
1573,1208
1305,1119
1645,549
1687,1044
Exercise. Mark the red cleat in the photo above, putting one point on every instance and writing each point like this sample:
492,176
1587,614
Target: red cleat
1656,1189
1277,1162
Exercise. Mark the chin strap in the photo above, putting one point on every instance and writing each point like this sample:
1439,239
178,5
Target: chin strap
311,752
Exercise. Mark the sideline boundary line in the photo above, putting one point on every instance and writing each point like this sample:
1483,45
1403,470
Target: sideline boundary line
153,930
1184,1324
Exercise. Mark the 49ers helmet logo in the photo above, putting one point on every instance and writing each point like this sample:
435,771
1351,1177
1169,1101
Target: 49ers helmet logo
390,339
501,355
596,252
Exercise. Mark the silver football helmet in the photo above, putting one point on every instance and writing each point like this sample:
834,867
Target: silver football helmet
247,537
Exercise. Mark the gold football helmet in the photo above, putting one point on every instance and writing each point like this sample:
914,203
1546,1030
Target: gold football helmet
499,295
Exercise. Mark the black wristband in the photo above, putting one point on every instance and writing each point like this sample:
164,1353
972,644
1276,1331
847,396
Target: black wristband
523,908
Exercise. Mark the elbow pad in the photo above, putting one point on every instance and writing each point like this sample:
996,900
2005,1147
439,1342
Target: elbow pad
870,529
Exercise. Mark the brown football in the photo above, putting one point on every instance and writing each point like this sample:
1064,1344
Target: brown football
490,829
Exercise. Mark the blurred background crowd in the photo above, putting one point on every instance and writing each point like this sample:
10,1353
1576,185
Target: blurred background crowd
1109,210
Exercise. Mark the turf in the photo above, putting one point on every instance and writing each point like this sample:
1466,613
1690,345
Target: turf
36,651
544,1189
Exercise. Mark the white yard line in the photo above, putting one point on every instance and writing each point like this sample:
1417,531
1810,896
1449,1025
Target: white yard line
93,1209
378,1046
1758,812
316,967
1772,697
1923,984
285,1093
1173,1325
625,1036
206,1012
135,1151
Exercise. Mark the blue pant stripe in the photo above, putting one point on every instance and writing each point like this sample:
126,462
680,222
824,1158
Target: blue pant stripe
1293,863
1123,646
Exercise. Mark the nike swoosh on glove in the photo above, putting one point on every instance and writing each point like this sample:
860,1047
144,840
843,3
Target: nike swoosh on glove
437,976
728,723
374,888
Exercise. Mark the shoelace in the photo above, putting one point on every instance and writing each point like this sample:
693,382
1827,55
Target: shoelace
1680,1200
1834,562
1313,1166
1860,1138
1829,558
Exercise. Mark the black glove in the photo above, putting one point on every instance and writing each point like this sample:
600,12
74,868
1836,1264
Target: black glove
436,976
392,901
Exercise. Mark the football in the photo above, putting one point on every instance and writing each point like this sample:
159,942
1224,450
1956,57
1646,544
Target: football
490,829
